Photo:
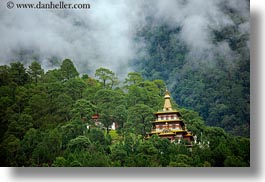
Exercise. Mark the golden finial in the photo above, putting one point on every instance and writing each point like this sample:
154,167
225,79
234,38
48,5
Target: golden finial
167,104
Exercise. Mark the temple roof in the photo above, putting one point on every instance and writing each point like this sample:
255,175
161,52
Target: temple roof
167,104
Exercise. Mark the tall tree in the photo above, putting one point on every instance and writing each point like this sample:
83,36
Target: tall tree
68,69
140,115
107,101
35,71
75,87
18,73
106,77
8,148
120,116
133,78
83,109
4,75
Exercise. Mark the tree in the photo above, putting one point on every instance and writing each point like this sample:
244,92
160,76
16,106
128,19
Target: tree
79,143
161,86
120,115
234,161
53,141
71,130
20,126
163,149
63,105
83,109
54,90
40,154
145,92
18,73
68,69
35,71
132,142
141,115
147,155
21,99
75,88
107,101
220,153
107,118
97,136
30,141
183,160
5,77
8,148
193,121
38,108
59,162
52,76
118,155
106,77
133,78
5,103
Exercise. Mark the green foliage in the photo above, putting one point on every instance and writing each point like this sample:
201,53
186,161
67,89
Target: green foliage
106,77
107,101
62,106
80,143
68,69
9,148
35,71
46,121
140,116
82,109
216,86
20,126
233,161
75,88
134,78
97,136
18,73
118,155
5,76
59,162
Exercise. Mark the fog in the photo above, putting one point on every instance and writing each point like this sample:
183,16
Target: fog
104,35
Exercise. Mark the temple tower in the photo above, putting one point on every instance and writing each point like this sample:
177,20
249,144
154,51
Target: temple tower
169,124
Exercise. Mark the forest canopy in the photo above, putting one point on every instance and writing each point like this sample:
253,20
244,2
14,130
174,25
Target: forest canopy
46,121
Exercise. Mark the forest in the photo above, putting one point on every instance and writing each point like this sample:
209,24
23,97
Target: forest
214,82
46,119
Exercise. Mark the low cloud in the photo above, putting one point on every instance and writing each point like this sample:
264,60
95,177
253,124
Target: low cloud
104,35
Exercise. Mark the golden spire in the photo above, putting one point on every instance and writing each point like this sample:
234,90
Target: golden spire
167,105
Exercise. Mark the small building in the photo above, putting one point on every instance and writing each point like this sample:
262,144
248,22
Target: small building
169,124
96,119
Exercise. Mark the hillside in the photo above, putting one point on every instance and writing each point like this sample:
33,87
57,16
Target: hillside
46,121
212,78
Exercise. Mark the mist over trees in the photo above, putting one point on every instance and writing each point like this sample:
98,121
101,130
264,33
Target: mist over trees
47,122
212,79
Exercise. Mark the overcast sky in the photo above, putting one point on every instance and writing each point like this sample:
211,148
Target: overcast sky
103,36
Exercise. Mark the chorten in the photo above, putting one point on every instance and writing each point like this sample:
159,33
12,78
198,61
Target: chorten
169,124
